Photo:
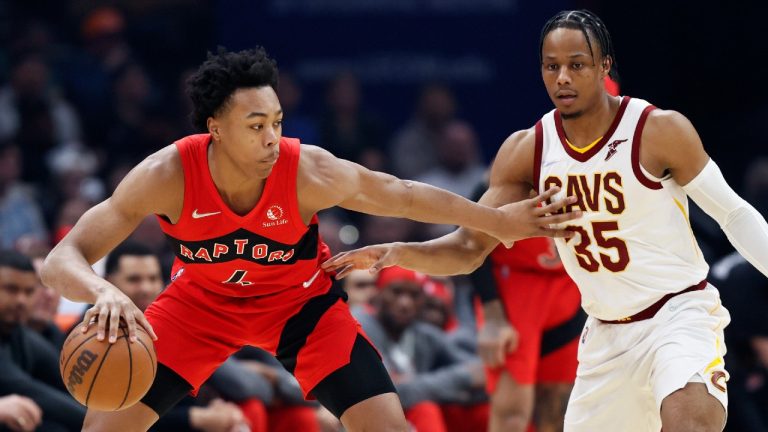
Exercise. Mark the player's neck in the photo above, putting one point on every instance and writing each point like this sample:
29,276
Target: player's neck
592,123
239,189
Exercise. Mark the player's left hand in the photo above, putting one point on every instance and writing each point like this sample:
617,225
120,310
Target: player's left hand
371,258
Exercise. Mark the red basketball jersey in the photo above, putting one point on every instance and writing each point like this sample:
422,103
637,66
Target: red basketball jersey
266,251
530,255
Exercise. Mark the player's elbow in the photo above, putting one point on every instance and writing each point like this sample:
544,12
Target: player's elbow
48,270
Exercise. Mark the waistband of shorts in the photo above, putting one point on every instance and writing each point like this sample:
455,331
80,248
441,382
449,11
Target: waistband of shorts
651,310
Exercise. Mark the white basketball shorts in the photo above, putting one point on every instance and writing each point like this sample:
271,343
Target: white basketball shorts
626,370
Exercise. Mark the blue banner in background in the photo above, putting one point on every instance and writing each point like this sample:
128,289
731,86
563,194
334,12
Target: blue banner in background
485,50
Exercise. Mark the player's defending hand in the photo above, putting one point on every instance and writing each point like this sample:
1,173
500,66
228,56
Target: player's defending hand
495,339
111,305
373,258
532,218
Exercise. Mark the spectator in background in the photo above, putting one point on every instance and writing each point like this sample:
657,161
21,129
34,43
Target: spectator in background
43,313
426,369
286,409
459,167
346,130
295,123
20,215
73,189
29,363
19,413
360,286
414,149
35,115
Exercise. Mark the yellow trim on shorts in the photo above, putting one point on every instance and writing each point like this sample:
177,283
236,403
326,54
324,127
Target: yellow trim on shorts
717,361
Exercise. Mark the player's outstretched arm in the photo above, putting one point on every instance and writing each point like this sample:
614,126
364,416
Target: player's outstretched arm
465,249
151,187
675,146
326,181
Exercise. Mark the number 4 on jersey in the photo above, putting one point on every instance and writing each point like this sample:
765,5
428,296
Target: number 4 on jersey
238,277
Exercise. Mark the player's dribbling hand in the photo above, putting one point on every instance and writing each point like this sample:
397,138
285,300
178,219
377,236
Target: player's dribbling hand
371,258
527,218
495,339
111,305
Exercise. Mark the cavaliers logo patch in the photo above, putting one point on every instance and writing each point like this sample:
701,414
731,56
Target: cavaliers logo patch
718,379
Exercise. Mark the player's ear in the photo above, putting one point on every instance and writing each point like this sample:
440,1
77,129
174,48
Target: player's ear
213,128
605,67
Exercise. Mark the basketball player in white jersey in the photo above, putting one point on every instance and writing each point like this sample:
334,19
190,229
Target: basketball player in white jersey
651,351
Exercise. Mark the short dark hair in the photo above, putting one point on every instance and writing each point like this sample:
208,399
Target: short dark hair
587,22
212,85
15,260
128,247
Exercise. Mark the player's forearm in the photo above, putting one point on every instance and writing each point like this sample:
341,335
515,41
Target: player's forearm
445,256
68,272
384,195
429,204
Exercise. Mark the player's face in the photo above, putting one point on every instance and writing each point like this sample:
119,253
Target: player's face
573,79
250,128
401,302
17,293
360,286
139,277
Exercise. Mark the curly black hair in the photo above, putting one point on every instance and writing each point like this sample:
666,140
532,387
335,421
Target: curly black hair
222,73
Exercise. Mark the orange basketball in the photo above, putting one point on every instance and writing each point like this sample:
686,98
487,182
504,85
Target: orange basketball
104,376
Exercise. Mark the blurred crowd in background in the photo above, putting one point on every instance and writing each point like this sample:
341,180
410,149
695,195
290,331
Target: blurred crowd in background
87,91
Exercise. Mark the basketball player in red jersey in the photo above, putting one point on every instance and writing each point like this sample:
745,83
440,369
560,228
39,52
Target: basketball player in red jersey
542,305
650,355
239,205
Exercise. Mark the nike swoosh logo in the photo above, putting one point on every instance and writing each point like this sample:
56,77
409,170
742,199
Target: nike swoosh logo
196,215
312,279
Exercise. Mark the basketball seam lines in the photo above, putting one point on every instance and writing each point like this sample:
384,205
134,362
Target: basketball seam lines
130,369
96,374
150,356
64,368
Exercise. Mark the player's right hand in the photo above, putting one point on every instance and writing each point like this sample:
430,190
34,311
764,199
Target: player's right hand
371,258
111,305
495,339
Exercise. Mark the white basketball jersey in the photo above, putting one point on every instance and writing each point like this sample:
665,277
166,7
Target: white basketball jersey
634,243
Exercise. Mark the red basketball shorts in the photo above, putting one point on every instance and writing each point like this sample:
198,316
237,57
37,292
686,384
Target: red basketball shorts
545,311
312,335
